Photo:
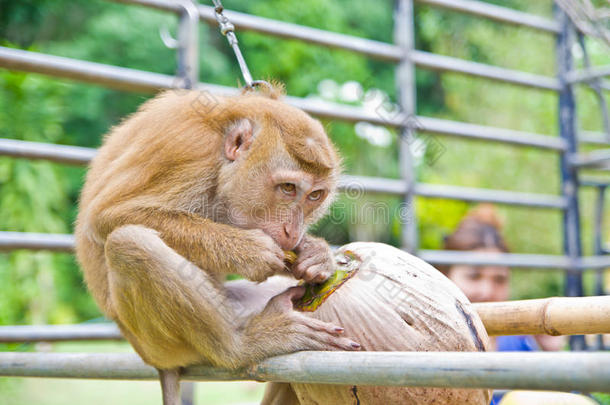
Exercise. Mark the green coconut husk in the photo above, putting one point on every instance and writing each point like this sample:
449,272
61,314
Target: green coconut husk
315,294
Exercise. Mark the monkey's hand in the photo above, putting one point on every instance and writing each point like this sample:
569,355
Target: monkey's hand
279,329
258,256
314,262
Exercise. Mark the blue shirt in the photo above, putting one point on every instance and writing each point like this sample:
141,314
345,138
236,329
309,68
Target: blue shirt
513,344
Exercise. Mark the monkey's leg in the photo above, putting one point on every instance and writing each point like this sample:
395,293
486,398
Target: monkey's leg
176,314
174,311
170,386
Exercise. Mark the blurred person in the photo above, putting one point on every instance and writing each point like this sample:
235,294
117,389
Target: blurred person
480,231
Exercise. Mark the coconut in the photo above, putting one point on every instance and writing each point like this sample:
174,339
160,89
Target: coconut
389,300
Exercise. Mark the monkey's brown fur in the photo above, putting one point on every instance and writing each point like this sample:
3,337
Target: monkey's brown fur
179,196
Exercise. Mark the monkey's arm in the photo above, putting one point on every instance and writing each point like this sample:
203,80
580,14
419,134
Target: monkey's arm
214,247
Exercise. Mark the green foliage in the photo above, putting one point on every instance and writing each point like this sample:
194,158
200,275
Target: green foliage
41,196
35,197
603,399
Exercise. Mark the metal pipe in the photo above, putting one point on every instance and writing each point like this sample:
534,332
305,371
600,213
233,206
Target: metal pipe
537,261
486,195
55,333
596,85
73,155
109,76
404,37
482,132
585,75
246,22
78,155
569,177
596,138
593,159
36,241
399,187
555,371
496,13
188,45
381,185
377,49
442,63
147,82
65,243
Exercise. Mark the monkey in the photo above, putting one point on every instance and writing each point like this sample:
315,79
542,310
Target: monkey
191,188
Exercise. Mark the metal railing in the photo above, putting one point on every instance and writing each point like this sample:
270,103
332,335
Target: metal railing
558,371
402,53
562,371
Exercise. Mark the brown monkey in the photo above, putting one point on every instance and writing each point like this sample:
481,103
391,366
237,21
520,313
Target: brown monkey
183,193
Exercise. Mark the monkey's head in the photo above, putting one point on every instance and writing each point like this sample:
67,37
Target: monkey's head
279,169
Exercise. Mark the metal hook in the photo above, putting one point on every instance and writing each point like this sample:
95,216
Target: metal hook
263,83
167,39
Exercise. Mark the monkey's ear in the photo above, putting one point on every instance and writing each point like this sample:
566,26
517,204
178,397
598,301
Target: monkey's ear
238,138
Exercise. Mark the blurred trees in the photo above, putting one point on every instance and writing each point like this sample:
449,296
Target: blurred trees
41,196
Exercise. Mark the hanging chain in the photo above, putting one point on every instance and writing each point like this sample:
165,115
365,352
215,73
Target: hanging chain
228,30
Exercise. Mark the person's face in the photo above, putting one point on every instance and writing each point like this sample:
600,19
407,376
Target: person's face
481,284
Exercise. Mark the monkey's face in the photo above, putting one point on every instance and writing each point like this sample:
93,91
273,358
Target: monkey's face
265,186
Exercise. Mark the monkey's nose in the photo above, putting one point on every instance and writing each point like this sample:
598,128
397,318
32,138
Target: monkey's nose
290,237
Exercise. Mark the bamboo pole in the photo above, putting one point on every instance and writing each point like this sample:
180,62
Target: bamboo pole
550,316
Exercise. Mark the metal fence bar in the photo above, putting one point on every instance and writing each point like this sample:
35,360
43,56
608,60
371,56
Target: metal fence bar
486,195
247,22
73,155
596,158
65,243
569,176
140,81
585,75
55,333
538,261
55,242
110,76
556,371
496,13
486,133
404,37
367,47
399,187
442,63
380,185
592,137
79,155
188,44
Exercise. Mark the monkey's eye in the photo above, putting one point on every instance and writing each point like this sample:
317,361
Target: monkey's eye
288,188
315,195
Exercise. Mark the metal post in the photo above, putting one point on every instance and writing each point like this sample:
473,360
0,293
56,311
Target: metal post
405,80
599,249
187,390
188,45
569,177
